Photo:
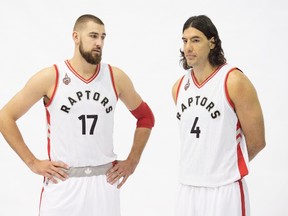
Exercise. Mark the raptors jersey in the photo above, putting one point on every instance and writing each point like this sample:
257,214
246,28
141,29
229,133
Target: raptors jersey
213,149
80,117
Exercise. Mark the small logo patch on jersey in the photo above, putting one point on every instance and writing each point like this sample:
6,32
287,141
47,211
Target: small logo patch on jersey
187,85
66,79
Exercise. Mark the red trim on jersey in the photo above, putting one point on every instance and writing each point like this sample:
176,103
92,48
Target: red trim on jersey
242,166
41,194
238,126
55,86
226,88
243,207
178,88
48,133
113,81
79,76
207,79
241,162
238,136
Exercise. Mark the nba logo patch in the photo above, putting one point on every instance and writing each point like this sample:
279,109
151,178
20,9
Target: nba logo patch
66,79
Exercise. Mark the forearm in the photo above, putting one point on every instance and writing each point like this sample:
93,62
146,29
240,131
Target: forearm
12,135
255,135
141,137
253,150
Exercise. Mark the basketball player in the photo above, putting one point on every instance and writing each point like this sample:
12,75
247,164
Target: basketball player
221,126
82,176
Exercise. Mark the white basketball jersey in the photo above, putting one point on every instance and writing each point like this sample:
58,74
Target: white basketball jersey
213,149
80,117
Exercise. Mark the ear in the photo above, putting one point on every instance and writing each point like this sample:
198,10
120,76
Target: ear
76,37
212,43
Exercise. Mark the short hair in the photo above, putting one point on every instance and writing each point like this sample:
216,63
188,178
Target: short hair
82,20
205,25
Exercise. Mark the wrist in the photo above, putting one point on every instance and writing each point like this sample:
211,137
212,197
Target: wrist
134,160
31,162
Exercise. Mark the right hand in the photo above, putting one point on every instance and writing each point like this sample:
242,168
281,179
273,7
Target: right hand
51,170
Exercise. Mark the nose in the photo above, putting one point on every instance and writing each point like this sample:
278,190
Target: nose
188,47
99,42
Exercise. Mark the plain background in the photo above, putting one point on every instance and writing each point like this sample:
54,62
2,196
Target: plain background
144,39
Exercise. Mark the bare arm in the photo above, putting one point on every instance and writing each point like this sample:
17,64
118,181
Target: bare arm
132,100
40,85
249,112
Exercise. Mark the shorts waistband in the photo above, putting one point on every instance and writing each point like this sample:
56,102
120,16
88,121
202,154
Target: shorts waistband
88,170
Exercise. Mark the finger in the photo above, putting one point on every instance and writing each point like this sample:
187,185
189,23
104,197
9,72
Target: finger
113,177
60,164
122,182
112,171
59,173
55,177
52,179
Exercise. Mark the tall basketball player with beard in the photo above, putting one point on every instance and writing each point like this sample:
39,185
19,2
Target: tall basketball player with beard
82,175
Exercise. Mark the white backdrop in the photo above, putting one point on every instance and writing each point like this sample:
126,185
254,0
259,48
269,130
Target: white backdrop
144,40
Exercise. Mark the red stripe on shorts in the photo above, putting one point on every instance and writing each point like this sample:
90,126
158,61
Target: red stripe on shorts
242,198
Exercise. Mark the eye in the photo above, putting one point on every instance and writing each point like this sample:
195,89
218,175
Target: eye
184,41
195,40
93,35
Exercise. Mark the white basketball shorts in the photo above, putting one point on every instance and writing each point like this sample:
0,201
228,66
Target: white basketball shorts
228,200
83,196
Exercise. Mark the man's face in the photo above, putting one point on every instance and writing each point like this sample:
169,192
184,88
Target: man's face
92,42
91,56
196,47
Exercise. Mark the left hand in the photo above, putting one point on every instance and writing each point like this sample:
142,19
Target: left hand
122,169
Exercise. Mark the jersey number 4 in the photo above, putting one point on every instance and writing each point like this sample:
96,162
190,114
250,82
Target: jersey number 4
195,129
83,118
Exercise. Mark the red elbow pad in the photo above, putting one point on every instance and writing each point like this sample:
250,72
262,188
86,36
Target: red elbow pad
144,116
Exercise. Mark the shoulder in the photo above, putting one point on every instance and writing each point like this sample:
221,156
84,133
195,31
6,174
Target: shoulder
122,80
236,78
238,85
117,72
43,81
175,88
120,77
45,75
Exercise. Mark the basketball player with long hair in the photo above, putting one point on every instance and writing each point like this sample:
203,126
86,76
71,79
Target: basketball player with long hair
221,126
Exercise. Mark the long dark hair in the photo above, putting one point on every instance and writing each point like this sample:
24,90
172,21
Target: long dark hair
205,25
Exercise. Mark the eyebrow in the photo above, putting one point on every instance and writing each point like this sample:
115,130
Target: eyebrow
96,33
197,37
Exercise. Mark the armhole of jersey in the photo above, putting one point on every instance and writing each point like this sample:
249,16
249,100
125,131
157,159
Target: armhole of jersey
178,88
226,88
55,86
113,82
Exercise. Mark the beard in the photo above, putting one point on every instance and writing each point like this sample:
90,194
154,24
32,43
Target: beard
91,58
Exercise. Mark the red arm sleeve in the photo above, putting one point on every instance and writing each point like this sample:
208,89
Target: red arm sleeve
144,116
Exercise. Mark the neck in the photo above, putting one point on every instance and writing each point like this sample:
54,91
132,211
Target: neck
201,73
82,67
